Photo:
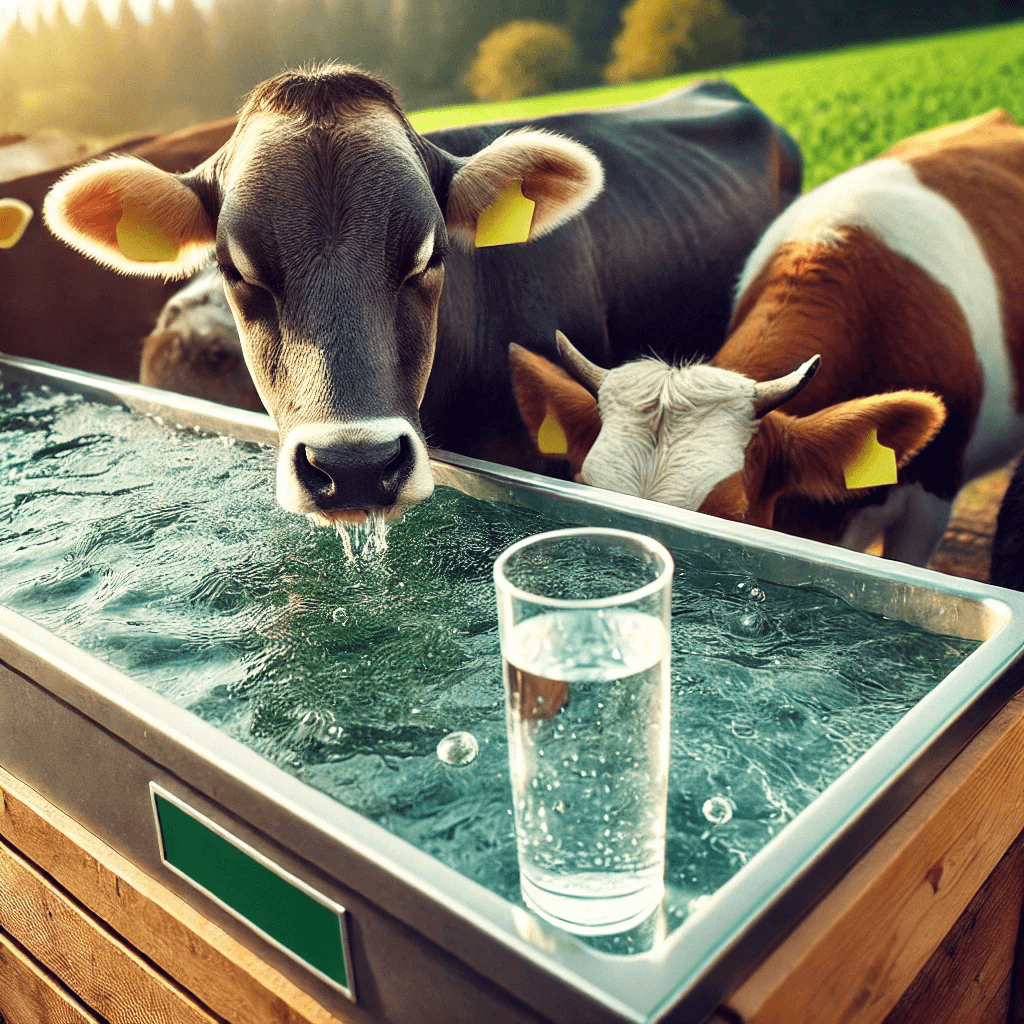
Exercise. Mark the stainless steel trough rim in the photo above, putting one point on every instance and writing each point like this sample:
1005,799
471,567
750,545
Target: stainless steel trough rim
698,963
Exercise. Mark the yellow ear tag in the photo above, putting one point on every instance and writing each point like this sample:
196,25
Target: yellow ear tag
508,220
551,438
872,466
14,218
142,239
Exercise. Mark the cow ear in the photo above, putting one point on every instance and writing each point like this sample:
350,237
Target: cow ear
810,455
559,176
132,217
561,415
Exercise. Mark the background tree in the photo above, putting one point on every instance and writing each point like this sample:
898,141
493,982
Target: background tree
305,32
666,37
522,58
54,92
102,79
421,66
593,24
247,49
181,56
131,67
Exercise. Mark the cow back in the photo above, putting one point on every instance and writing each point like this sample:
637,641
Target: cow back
692,179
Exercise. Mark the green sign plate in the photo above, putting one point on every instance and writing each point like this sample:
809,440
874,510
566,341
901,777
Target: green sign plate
285,910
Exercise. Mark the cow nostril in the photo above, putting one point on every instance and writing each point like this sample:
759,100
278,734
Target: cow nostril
396,465
314,479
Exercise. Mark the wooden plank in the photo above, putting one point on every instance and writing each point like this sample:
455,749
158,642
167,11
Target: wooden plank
968,977
109,977
30,995
232,981
966,547
859,949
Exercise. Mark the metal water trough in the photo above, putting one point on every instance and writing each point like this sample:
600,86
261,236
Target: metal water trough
415,940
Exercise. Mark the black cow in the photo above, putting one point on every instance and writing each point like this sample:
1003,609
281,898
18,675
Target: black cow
1008,543
335,225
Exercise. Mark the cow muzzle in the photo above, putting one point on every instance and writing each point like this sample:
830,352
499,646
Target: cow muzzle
344,472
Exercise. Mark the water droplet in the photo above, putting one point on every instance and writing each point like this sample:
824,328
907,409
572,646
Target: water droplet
717,809
340,615
458,749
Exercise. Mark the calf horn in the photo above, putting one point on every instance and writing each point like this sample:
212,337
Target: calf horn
773,393
579,367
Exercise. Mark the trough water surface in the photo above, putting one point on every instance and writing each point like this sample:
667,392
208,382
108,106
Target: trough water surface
164,554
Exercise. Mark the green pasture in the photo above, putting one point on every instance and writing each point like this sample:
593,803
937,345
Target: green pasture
843,106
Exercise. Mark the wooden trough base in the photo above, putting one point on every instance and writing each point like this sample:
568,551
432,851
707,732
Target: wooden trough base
88,938
924,929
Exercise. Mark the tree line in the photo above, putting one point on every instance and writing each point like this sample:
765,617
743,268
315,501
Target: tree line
97,78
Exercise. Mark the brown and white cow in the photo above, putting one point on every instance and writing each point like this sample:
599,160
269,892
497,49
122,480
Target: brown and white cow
371,321
904,273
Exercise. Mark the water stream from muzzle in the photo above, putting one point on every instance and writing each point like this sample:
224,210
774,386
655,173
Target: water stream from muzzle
361,540
351,666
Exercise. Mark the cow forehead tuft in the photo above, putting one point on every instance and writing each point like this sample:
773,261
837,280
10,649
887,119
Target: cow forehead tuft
320,92
658,388
272,149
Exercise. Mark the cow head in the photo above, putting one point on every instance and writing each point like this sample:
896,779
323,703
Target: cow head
705,438
329,218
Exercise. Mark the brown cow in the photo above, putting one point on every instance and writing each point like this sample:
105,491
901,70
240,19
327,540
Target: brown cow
63,308
21,155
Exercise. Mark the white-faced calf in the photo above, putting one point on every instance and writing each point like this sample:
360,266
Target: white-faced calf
904,275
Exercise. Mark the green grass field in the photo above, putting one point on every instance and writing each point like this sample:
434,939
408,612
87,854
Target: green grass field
843,107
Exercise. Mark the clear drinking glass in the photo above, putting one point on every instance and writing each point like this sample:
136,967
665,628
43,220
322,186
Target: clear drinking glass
584,620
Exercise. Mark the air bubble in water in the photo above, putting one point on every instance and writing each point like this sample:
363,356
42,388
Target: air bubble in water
458,749
717,809
751,591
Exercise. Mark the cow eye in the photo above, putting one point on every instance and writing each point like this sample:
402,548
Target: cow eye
436,260
439,254
229,272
